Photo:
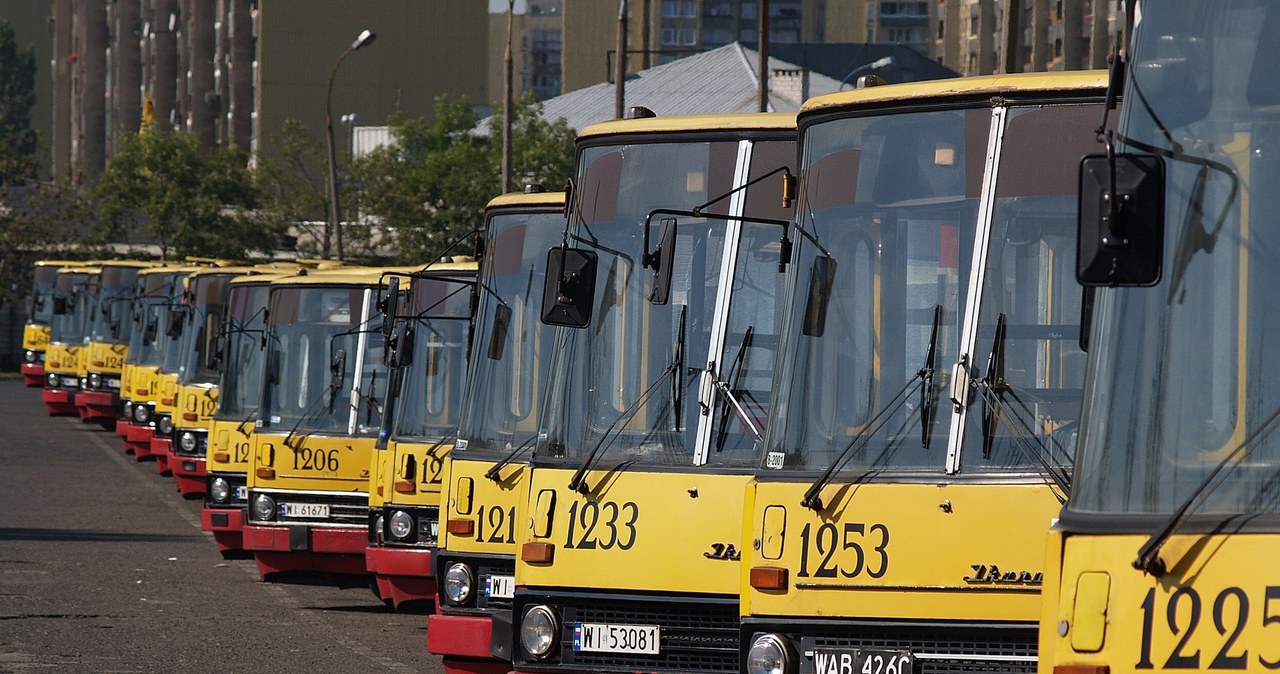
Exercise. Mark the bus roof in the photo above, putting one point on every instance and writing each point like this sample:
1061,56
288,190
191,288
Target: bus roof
961,87
746,121
526,199
60,263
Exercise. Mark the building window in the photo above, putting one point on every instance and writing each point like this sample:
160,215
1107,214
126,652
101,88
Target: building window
690,9
668,36
784,36
748,10
670,9
689,37
718,9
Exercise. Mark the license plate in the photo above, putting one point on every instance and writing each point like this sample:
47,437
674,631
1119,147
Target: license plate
615,638
862,661
311,510
73,382
501,587
113,383
242,493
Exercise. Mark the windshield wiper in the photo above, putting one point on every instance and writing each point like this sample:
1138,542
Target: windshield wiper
494,471
725,389
929,391
247,419
1149,560
578,482
812,496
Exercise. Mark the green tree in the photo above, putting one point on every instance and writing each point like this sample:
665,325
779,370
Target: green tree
431,187
40,221
169,191
17,96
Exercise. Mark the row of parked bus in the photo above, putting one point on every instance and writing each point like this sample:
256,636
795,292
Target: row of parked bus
768,393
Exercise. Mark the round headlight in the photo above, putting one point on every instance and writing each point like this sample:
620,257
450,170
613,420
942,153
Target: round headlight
538,631
219,490
164,424
264,507
51,380
31,356
458,583
401,525
141,413
187,441
769,654
377,528
95,380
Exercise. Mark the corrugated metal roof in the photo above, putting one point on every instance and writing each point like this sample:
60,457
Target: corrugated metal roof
717,81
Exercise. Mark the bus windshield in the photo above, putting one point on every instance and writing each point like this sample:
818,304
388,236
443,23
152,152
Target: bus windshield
1182,372
75,289
111,322
431,390
240,387
319,340
894,201
629,383
509,370
155,292
203,323
42,295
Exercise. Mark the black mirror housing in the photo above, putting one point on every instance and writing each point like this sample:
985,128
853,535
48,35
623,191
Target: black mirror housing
60,307
390,306
663,259
822,277
570,287
501,327
1121,237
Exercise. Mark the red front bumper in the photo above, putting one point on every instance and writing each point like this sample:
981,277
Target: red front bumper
462,636
96,405
162,450
226,525
32,373
138,438
58,401
189,473
403,574
302,548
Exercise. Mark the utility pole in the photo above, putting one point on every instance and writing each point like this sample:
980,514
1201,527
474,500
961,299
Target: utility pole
763,48
507,68
620,63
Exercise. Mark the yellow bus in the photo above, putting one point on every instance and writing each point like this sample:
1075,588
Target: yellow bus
74,300
321,410
108,333
428,325
197,392
665,288
1161,559
35,333
929,380
159,290
506,377
230,438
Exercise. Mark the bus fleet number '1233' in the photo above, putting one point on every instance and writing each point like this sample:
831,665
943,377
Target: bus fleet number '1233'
602,525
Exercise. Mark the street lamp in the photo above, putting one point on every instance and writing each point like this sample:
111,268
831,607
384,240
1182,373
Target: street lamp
882,62
364,39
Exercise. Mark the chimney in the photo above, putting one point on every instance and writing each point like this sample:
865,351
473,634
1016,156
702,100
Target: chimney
790,83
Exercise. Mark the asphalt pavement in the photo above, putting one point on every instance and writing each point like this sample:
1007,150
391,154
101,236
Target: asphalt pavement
103,568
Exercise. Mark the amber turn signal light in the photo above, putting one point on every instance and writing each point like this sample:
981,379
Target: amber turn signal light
405,487
768,578
221,457
1082,669
189,416
141,391
266,473
537,553
166,401
99,363
460,527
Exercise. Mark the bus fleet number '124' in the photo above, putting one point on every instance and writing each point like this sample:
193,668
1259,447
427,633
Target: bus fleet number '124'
1229,613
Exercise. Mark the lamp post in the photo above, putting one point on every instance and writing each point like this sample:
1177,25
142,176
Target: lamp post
882,62
334,229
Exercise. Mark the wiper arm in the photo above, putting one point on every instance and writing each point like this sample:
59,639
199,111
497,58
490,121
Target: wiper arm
313,410
812,498
494,472
247,419
929,391
993,404
735,374
578,482
1149,560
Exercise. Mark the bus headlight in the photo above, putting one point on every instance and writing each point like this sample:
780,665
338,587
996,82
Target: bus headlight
219,490
401,525
31,356
141,414
770,654
187,442
51,380
95,381
164,424
459,581
128,410
264,507
538,631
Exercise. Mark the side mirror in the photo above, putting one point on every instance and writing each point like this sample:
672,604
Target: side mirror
662,261
214,359
822,276
60,307
1121,238
176,318
401,346
338,369
570,287
1086,316
149,332
390,305
501,326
